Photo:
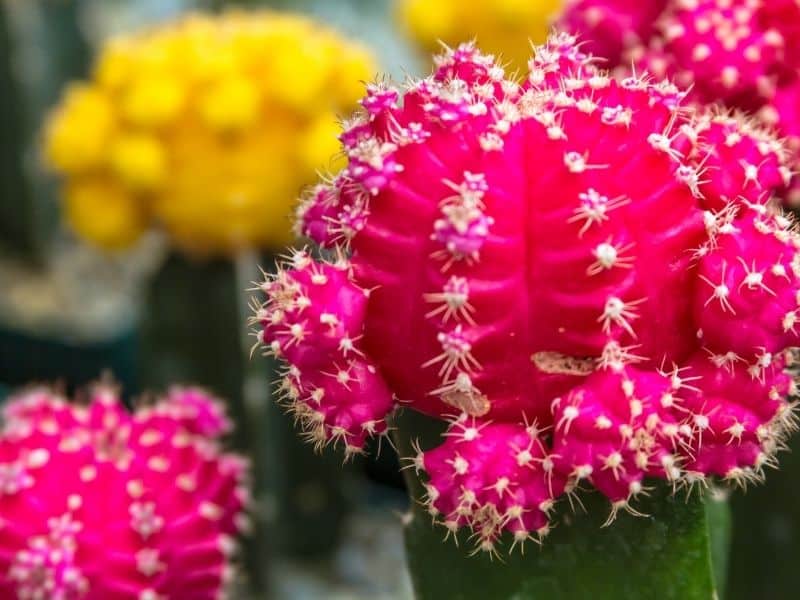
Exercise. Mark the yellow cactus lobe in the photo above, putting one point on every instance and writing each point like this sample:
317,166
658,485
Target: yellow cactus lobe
319,144
152,101
207,127
232,103
100,211
79,131
356,66
139,161
429,22
503,27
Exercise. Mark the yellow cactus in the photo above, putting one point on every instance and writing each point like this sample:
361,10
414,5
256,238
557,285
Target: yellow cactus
504,27
102,211
81,130
207,127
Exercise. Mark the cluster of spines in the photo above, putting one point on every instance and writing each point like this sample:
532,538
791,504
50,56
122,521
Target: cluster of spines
96,502
738,161
629,413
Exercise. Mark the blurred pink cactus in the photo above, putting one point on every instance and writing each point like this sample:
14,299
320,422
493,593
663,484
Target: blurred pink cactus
610,27
99,503
587,279
732,52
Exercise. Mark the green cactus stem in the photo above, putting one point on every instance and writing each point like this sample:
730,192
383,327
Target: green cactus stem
766,535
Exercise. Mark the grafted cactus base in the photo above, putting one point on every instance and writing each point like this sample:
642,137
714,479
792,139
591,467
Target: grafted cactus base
677,551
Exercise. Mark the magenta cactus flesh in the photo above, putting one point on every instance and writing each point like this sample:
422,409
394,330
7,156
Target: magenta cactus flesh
783,113
571,269
99,503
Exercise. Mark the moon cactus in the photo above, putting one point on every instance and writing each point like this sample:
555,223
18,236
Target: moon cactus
585,278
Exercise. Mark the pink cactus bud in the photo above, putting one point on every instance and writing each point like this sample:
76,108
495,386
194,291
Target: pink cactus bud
617,428
99,503
558,251
315,321
738,413
747,299
491,478
316,215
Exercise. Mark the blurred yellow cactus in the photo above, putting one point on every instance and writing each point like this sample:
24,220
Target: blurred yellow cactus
504,27
207,127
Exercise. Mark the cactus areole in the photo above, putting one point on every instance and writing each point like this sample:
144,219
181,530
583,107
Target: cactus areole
588,280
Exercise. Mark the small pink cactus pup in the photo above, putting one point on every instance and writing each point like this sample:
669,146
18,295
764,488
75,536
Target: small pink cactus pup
97,503
587,279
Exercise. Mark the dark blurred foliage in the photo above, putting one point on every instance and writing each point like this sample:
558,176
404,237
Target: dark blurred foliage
28,212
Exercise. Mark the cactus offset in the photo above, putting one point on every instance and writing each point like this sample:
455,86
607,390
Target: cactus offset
563,268
747,164
96,502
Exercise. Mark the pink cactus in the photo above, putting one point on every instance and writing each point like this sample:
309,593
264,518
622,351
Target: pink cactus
727,51
736,52
587,279
99,503
748,164
783,113
610,28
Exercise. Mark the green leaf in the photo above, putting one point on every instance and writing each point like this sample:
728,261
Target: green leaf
662,556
